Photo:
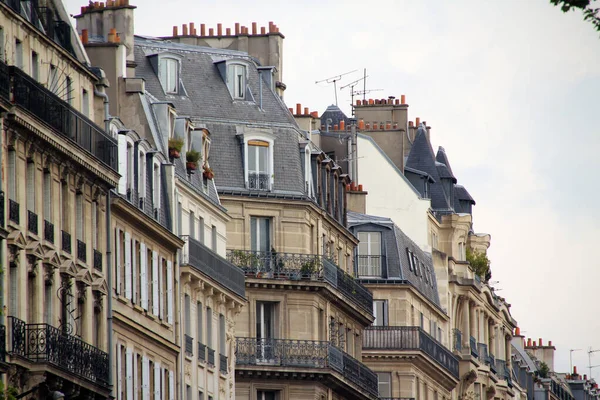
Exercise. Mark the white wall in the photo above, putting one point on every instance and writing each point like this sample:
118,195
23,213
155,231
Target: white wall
390,193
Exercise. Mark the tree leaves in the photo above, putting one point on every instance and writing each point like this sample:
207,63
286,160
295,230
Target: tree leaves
590,14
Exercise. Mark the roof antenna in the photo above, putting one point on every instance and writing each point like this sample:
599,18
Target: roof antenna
333,80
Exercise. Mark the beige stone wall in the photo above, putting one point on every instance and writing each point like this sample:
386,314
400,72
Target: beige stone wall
287,390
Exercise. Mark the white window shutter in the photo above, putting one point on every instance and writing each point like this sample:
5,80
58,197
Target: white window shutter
154,282
145,378
169,292
157,381
134,271
144,276
128,265
161,281
119,379
129,372
136,383
122,155
171,385
118,260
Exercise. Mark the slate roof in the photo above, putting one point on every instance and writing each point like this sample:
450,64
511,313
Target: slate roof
396,249
443,158
336,115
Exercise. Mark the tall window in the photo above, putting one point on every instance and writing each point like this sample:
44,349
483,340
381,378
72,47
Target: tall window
1,43
79,216
48,296
85,106
187,315
47,193
19,53
380,311
199,322
265,328
35,66
369,254
209,336
222,336
31,186
68,90
192,225
169,74
258,165
214,238
260,234
156,187
236,80
462,256
267,395
201,228
384,380
53,79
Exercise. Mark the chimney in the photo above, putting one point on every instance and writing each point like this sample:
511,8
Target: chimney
298,108
528,342
540,342
356,198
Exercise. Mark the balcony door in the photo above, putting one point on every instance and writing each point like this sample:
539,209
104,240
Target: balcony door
260,241
369,254
265,331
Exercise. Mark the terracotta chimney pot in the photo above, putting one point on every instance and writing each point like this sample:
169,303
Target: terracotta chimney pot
263,30
388,125
367,126
192,27
84,36
517,331
271,27
402,99
305,110
314,114
540,342
347,188
528,342
361,124
575,370
360,188
298,108
549,343
335,127
371,102
185,30
228,31
397,101
202,29
381,126
254,29
219,29
358,102
342,125
417,121
237,28
374,126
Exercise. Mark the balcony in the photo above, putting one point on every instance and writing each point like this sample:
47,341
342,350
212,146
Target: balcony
503,371
473,345
409,338
211,356
14,211
60,116
4,82
291,266
48,231
32,222
457,339
189,345
259,181
214,266
308,354
81,251
201,352
370,266
66,242
223,364
45,344
492,362
97,260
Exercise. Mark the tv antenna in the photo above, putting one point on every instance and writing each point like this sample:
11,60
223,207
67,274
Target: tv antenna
571,358
333,80
351,85
590,354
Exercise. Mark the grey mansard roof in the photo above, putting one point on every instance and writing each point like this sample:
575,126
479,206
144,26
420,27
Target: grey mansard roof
396,247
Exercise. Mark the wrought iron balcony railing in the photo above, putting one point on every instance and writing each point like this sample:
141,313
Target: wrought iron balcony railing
14,211
211,264
370,265
59,115
492,363
305,354
291,266
32,222
189,345
4,82
2,205
409,338
43,343
211,356
223,363
97,260
396,398
48,231
503,371
66,242
473,345
2,343
201,352
259,181
457,339
81,251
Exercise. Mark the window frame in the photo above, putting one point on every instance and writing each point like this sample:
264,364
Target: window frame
259,137
235,87
168,62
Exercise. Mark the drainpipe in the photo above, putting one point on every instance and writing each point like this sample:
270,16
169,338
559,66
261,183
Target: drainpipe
109,320
354,159
260,83
106,110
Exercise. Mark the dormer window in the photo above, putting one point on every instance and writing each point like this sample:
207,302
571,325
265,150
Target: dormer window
236,80
258,165
169,74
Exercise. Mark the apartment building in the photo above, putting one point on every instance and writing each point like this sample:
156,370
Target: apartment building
59,163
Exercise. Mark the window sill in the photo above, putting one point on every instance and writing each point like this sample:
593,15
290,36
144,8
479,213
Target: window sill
122,299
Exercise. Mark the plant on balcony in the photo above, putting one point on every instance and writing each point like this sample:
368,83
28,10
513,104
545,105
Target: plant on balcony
192,157
309,267
480,264
208,172
245,260
175,146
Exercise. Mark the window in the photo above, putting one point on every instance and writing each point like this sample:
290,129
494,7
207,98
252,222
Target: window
19,53
267,395
47,193
192,225
222,342
2,43
384,380
425,188
461,251
188,392
79,216
434,240
214,238
258,165
199,321
85,109
201,227
156,188
236,80
380,311
422,321
142,177
369,254
31,186
260,234
35,66
187,310
69,89
12,175
52,78
265,329
169,74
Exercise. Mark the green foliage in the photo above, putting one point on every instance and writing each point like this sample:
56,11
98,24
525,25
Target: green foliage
192,156
543,370
244,259
309,267
591,14
480,264
176,144
7,393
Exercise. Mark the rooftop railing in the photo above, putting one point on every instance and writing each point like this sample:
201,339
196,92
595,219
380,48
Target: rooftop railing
305,354
409,338
293,266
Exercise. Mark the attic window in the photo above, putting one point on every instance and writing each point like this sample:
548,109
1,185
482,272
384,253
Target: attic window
236,80
169,74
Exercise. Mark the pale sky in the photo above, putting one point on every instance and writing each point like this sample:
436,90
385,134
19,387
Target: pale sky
510,90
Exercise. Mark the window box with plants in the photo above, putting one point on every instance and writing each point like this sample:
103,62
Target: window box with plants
192,157
208,172
175,146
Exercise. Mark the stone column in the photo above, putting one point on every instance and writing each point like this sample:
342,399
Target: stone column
473,320
466,323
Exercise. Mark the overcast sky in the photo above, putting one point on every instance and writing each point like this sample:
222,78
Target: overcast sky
510,88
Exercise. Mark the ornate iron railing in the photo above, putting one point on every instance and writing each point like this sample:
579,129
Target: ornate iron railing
201,352
189,345
97,260
49,231
14,211
292,266
473,345
305,354
2,343
4,81
2,205
483,352
32,222
457,339
503,371
223,363
81,251
66,242
59,115
259,181
370,265
43,343
396,398
492,362
211,356
211,264
409,338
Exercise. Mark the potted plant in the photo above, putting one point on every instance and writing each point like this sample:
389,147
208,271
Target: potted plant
175,145
192,157
309,268
208,172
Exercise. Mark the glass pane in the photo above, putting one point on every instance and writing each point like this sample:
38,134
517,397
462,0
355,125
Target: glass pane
252,165
385,387
263,161
264,234
375,243
363,245
172,76
253,234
